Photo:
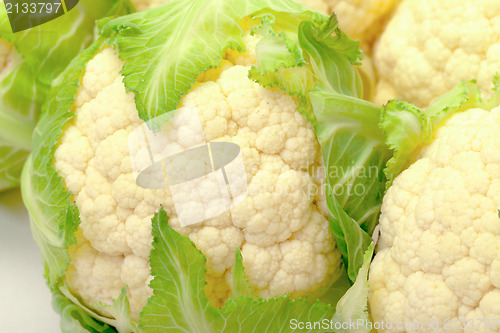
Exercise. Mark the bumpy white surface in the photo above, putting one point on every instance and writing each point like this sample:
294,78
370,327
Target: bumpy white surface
439,253
428,46
281,227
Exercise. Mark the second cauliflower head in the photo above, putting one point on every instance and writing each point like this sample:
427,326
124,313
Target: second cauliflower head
438,260
428,46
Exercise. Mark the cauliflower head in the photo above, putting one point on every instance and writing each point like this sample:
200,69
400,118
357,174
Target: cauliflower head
263,77
439,250
428,46
281,227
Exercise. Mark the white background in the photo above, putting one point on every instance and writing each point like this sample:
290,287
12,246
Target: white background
25,300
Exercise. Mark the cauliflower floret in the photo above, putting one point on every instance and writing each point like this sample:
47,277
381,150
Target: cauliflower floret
100,73
272,270
135,274
488,309
276,205
102,281
429,46
282,233
439,250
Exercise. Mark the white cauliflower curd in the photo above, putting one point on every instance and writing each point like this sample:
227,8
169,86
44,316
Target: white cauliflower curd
438,260
281,228
428,46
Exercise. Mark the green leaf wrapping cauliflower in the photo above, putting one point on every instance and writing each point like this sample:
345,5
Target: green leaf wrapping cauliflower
29,61
360,19
271,77
363,20
438,259
428,46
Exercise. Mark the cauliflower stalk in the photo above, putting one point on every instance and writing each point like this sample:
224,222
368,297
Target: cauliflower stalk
438,257
273,79
29,61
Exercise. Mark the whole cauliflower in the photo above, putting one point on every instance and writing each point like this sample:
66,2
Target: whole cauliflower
132,240
428,46
438,258
281,228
